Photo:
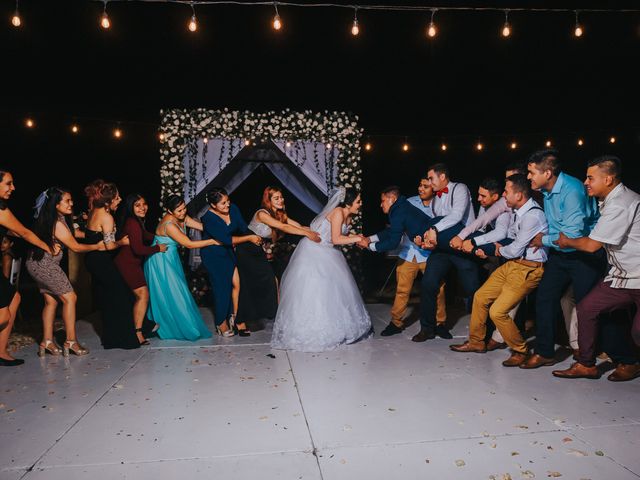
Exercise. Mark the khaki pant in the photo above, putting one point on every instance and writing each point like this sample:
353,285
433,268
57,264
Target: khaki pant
503,290
406,273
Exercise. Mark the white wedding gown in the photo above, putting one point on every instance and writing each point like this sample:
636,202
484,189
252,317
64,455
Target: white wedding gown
320,304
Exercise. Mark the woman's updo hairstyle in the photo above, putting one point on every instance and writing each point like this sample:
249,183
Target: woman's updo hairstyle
172,201
350,196
215,195
100,193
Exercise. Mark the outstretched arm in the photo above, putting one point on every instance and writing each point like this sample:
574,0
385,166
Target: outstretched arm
64,235
291,227
12,223
175,233
336,218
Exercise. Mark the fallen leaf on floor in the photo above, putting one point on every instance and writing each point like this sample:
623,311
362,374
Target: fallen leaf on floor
567,440
554,474
528,474
600,453
460,463
577,453
270,355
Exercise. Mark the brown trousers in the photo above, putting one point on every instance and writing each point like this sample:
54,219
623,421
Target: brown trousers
406,273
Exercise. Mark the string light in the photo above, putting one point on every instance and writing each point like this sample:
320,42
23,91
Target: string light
161,137
288,144
580,142
29,123
514,145
104,20
117,133
548,143
612,140
355,28
479,146
193,23
328,145
205,140
247,142
432,31
405,145
443,147
506,28
75,129
578,31
16,21
277,22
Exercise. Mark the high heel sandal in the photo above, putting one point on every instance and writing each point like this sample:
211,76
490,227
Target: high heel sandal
50,347
144,341
242,332
226,333
68,347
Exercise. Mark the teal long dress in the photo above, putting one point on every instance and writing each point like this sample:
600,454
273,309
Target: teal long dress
171,305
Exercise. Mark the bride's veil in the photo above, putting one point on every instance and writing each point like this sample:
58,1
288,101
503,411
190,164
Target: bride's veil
335,199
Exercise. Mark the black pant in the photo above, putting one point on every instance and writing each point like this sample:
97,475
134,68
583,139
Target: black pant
438,265
583,271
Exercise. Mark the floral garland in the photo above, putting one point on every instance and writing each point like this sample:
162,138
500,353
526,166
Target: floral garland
181,128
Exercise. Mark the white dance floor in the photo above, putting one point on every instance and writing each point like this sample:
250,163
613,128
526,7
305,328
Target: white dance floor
386,408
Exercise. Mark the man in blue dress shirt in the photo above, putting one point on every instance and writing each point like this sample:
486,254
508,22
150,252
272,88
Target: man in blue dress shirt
569,210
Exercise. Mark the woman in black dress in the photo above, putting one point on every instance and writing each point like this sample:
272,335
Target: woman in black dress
114,298
9,298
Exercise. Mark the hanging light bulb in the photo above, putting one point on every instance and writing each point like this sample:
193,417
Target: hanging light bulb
205,140
514,145
288,144
193,23
328,145
29,123
368,147
355,28
612,140
74,128
277,22
479,146
506,28
247,142
104,19
432,31
117,133
578,31
580,142
443,147
405,146
16,21
548,143
161,137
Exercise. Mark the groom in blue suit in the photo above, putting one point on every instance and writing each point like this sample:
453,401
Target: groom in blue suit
405,219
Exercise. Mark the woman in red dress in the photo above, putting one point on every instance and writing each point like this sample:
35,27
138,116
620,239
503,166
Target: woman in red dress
131,257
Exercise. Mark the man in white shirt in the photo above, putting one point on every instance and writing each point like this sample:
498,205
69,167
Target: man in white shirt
515,279
453,204
618,231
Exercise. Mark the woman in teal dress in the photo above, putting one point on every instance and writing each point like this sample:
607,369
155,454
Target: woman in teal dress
171,305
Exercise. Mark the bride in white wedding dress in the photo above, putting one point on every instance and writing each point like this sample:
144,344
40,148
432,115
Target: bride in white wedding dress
320,304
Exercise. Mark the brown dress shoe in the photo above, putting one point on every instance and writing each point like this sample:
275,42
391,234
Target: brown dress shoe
515,360
493,345
537,361
466,347
578,370
423,336
624,373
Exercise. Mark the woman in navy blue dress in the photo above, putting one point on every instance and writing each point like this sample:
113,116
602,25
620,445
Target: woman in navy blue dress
223,222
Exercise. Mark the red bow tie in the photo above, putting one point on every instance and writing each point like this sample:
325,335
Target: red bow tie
440,192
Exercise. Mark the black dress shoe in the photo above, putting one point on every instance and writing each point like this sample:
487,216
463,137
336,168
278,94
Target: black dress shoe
423,336
443,332
390,329
11,363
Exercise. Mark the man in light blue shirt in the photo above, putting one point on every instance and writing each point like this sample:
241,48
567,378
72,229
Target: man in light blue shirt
568,209
412,259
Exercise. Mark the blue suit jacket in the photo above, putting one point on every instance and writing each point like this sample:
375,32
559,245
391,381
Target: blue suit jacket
403,218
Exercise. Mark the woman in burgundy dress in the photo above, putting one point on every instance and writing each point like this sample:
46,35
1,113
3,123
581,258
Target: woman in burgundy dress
131,257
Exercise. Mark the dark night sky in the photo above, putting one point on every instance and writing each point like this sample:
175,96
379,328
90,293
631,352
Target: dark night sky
467,84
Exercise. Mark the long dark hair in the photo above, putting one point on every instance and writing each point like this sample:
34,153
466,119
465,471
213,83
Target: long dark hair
126,211
215,195
47,217
3,172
